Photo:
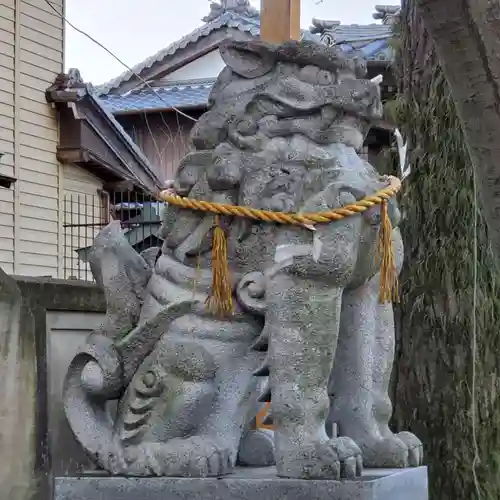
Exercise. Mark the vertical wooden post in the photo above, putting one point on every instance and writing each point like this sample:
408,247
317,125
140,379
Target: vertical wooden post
279,20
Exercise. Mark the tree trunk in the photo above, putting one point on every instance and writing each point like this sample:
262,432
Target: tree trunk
466,37
433,375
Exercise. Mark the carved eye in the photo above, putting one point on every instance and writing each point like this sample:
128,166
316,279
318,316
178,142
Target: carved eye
247,127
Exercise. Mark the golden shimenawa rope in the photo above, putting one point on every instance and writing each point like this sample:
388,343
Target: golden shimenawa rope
220,301
283,217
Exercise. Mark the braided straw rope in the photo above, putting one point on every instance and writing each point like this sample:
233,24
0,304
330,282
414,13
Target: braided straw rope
220,301
305,219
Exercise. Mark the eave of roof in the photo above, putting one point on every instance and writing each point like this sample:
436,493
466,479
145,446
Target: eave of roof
180,95
228,19
66,93
131,145
350,35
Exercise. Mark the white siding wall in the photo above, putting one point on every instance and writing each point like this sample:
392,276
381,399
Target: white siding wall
31,213
7,76
82,206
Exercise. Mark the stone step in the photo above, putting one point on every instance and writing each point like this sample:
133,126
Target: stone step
249,484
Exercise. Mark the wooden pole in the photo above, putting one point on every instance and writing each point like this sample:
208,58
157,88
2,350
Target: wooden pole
279,20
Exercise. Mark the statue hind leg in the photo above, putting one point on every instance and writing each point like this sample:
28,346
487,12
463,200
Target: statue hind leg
359,387
209,389
383,352
211,449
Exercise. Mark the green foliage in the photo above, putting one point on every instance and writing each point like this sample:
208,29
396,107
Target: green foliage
434,356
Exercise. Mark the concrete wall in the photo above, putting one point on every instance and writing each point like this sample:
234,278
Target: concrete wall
63,313
66,331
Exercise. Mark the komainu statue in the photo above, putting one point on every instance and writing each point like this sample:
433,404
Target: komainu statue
306,329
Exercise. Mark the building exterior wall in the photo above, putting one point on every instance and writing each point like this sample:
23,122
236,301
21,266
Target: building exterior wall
84,204
31,212
163,138
207,66
7,78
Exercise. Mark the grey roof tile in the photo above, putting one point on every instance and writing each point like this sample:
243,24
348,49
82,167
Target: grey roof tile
358,32
179,95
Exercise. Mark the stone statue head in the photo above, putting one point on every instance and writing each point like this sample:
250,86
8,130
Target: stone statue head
272,92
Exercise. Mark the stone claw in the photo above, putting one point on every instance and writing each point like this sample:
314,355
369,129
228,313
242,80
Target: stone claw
191,457
393,451
334,459
415,448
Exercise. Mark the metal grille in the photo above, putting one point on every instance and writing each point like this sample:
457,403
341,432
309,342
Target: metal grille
86,214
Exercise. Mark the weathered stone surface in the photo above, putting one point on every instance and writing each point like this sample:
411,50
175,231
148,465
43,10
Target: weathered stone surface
17,401
282,133
249,484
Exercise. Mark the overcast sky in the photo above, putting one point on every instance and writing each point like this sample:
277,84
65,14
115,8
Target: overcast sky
136,29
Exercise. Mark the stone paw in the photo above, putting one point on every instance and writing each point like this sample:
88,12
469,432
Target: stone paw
191,457
415,448
333,459
113,460
257,448
392,451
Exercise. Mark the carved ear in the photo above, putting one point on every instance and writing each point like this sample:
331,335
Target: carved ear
248,59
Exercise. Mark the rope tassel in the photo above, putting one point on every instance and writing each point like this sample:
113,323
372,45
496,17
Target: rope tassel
385,255
220,302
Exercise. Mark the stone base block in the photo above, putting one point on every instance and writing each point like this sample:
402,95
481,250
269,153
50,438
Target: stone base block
249,484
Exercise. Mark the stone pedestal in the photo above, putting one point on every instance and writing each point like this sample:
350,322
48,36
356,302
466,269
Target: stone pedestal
249,484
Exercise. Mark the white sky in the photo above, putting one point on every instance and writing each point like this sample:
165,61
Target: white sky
136,29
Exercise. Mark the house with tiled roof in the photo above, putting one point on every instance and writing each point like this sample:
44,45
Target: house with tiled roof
157,101
61,151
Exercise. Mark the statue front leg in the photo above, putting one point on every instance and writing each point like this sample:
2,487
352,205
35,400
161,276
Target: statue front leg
301,352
